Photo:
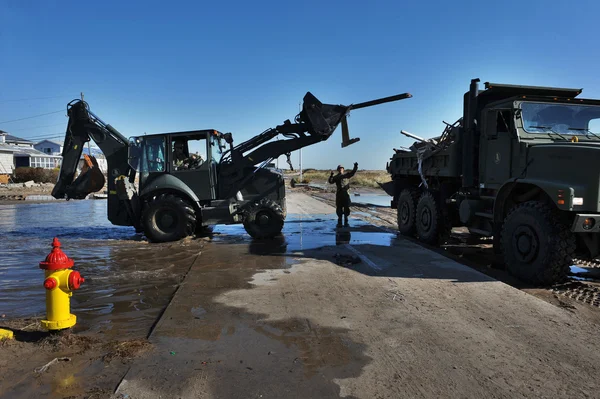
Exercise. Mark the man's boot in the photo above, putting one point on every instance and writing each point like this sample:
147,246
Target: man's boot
346,221
339,224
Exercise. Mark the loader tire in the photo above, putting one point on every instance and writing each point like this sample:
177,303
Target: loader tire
168,218
431,221
537,247
264,219
407,211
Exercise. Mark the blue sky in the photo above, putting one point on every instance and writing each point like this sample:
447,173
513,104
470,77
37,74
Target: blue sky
242,67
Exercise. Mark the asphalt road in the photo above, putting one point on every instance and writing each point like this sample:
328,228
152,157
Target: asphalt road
356,313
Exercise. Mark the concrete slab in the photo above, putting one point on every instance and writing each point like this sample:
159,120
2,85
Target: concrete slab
290,320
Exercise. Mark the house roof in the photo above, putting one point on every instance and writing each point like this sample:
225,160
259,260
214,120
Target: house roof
31,152
9,138
60,143
6,148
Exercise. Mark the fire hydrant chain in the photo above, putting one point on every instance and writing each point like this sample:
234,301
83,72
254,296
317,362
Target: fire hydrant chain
60,282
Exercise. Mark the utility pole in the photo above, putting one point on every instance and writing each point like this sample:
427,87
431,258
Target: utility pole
301,165
300,110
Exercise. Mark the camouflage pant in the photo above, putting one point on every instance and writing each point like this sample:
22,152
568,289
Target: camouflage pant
342,203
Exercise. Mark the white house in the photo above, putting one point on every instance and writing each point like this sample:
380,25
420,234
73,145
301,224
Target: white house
23,154
6,160
49,147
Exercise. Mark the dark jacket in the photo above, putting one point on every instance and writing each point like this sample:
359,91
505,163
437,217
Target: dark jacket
341,180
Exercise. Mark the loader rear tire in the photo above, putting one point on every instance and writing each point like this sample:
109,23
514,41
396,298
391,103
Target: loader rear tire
168,218
407,211
538,248
264,219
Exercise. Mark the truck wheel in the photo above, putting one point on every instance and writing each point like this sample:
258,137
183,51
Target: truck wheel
407,211
168,218
264,219
431,224
537,247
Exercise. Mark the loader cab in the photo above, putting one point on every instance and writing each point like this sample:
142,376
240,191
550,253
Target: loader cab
192,157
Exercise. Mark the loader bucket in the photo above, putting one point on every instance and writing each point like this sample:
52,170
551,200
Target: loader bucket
90,180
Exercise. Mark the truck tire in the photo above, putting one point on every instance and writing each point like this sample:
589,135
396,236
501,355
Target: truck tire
168,218
432,226
264,219
537,247
407,211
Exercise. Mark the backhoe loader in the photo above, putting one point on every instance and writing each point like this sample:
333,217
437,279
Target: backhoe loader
178,192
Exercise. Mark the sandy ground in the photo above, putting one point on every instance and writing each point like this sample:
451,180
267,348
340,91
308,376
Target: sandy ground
402,322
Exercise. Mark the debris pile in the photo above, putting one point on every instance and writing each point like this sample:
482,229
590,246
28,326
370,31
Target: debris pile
426,148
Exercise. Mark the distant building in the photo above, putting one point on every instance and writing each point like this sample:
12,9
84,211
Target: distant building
51,147
23,154
6,162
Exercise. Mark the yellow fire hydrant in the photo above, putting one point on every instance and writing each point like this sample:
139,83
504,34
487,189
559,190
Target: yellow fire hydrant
60,283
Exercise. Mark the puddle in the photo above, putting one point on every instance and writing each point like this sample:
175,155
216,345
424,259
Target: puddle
371,199
305,232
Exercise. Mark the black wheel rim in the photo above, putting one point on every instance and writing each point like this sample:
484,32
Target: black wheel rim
166,220
525,243
263,218
425,219
404,213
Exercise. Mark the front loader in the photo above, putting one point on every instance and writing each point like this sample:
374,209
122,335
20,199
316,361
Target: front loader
178,192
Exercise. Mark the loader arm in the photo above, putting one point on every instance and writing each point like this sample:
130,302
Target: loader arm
316,122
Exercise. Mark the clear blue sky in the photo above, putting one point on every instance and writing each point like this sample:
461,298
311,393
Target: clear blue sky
157,66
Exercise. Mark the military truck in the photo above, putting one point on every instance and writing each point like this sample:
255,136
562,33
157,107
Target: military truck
520,166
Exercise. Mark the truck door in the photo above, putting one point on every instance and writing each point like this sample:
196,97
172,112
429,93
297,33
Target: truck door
499,136
190,162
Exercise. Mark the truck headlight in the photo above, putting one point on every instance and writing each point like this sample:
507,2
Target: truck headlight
588,223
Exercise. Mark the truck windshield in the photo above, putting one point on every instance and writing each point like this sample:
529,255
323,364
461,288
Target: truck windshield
563,119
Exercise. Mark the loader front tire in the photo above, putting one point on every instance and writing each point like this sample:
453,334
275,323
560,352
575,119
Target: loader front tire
168,218
264,219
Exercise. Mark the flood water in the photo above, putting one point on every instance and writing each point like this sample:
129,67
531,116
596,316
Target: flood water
128,280
371,199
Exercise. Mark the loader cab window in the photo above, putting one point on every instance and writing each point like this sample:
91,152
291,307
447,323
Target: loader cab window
153,157
216,148
188,152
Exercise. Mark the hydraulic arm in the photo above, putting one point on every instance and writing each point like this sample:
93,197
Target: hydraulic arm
82,126
316,122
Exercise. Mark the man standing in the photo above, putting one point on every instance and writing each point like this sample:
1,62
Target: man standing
342,198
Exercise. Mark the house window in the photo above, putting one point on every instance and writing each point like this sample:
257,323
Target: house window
48,150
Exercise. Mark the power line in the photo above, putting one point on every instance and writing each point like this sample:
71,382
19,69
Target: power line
30,99
37,127
46,136
31,117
